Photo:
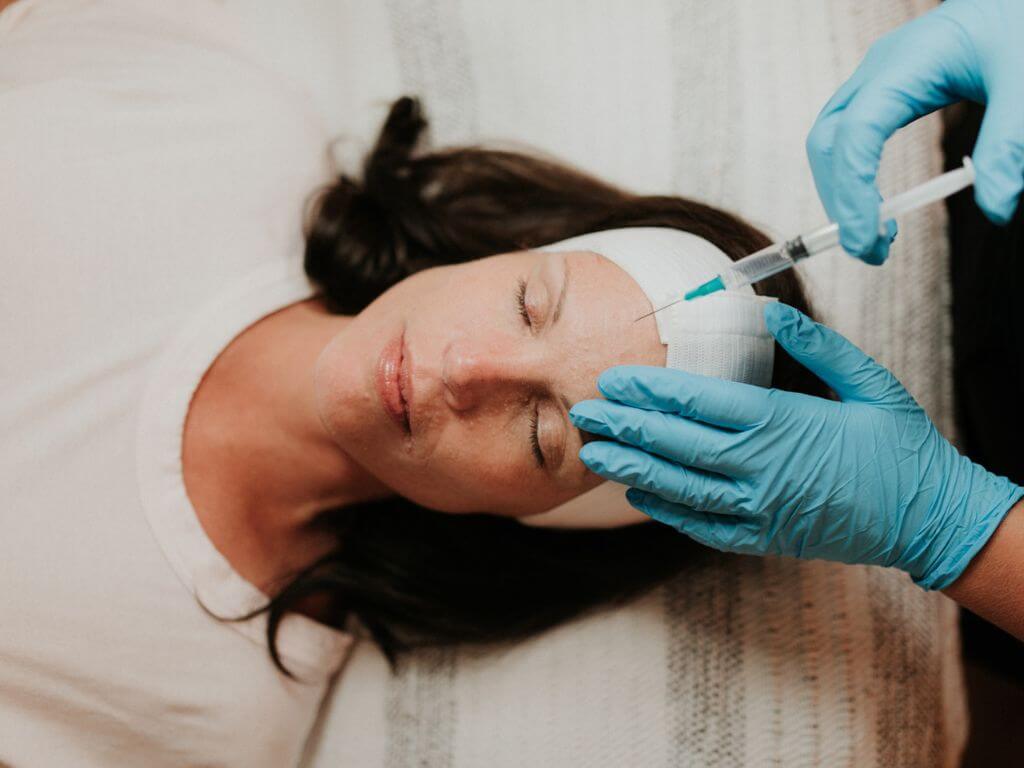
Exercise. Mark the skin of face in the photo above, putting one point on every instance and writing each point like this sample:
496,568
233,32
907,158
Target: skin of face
480,374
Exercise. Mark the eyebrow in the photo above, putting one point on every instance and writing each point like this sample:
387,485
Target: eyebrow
561,296
554,319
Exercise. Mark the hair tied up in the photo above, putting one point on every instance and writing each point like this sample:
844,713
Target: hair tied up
365,237
388,164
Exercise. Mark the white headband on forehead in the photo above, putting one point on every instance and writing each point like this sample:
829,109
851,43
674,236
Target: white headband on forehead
721,335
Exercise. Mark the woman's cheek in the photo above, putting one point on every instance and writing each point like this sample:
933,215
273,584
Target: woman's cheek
474,481
344,408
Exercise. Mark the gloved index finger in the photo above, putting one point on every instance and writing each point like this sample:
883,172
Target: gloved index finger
718,402
680,440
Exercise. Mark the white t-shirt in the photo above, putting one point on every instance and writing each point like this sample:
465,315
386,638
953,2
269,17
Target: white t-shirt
152,180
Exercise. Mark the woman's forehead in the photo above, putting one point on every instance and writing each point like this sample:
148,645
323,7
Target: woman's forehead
602,305
598,324
601,283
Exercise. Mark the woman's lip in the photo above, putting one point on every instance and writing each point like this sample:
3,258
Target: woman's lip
405,387
388,381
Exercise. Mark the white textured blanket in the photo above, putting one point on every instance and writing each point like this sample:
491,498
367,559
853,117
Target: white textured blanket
747,662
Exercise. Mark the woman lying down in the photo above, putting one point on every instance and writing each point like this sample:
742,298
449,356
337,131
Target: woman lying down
415,470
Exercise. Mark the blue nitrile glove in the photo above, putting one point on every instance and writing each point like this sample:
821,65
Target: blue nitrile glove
964,49
867,479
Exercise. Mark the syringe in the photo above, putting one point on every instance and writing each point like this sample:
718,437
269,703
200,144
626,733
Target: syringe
781,256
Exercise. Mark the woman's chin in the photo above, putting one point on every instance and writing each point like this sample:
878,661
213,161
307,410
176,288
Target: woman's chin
591,516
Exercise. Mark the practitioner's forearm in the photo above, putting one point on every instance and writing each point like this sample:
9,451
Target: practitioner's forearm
993,584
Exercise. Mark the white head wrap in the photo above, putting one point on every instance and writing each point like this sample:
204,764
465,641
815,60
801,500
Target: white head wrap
721,335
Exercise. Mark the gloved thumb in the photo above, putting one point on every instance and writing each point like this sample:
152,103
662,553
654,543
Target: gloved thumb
850,373
999,157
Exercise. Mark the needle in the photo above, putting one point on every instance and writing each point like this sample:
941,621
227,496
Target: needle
711,286
658,310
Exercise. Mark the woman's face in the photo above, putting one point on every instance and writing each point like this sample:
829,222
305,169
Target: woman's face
453,387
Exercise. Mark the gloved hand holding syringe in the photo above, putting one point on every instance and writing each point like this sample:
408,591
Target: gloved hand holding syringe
781,256
866,478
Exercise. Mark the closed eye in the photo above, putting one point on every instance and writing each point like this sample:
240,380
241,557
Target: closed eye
538,454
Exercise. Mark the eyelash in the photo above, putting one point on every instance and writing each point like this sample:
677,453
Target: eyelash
521,302
538,454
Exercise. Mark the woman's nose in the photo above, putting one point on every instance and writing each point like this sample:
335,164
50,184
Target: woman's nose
474,372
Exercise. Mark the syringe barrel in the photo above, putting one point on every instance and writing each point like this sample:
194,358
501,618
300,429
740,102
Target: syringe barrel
757,266
780,256
821,239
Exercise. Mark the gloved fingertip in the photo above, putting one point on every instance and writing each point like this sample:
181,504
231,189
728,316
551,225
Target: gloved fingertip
855,244
879,252
591,455
582,411
582,422
611,381
642,502
781,319
636,497
999,167
998,207
658,510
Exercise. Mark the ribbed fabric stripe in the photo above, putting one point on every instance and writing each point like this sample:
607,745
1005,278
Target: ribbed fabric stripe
421,712
433,59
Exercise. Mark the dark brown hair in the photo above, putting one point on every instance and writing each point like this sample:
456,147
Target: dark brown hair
415,577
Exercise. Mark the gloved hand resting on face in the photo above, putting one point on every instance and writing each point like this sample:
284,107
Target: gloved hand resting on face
964,49
866,479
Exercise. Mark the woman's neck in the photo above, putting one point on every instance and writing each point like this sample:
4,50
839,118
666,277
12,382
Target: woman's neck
258,462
